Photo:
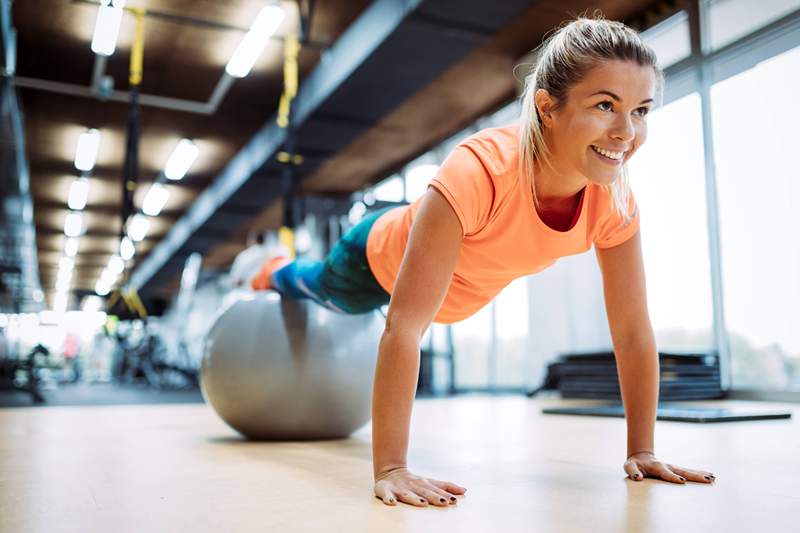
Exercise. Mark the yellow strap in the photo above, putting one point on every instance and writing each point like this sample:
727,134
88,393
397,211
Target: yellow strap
291,50
286,238
137,50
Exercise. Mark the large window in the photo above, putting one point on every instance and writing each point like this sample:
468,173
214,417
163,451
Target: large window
755,119
731,19
667,177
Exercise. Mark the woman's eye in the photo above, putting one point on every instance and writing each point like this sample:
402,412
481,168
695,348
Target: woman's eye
601,104
643,111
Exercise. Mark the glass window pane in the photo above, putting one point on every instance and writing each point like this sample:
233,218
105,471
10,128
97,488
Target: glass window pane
667,177
670,39
389,190
755,120
417,179
512,334
472,341
730,19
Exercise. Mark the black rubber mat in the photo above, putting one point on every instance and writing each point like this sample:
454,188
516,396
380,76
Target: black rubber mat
675,414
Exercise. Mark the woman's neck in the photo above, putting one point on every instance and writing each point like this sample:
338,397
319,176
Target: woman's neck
553,189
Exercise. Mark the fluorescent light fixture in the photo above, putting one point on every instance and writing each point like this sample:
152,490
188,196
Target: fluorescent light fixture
243,59
116,265
126,248
102,288
71,246
78,193
65,264
106,27
155,199
137,227
73,224
60,302
181,159
62,285
92,303
86,152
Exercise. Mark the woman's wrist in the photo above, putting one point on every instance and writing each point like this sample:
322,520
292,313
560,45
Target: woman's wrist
640,451
387,470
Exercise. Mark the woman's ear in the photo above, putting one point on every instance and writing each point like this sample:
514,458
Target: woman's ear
544,105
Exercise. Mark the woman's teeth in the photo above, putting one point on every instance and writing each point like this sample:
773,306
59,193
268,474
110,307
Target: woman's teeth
609,154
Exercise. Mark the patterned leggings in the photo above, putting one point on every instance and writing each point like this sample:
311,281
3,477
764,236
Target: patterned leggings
343,281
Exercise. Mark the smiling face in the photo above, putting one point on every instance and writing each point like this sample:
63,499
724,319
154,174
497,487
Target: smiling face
602,122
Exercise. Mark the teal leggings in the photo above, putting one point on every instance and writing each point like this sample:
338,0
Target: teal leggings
343,281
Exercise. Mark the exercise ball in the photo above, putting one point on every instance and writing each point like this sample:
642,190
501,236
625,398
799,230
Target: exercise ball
282,369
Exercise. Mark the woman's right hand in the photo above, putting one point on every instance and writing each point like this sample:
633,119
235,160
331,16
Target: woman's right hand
400,484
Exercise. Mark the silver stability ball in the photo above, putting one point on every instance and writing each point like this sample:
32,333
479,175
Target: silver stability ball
281,369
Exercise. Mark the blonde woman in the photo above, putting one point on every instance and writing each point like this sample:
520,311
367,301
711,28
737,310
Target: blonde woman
508,202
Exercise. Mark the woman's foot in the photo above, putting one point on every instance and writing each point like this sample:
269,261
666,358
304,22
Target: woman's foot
263,280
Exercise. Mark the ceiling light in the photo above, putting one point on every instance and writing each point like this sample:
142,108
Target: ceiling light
86,152
243,59
71,246
101,288
66,264
116,265
155,199
60,302
106,28
181,159
78,193
92,303
73,224
62,285
137,227
126,248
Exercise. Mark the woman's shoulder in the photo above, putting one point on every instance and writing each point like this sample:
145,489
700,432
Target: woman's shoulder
497,148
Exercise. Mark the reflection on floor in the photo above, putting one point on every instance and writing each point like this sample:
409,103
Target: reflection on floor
179,468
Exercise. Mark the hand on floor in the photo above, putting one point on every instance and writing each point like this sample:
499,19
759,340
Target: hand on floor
400,484
644,464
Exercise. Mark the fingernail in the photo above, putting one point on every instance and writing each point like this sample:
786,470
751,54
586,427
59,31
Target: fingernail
442,500
682,479
708,477
421,500
452,498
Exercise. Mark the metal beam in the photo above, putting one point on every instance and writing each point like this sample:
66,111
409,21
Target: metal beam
352,48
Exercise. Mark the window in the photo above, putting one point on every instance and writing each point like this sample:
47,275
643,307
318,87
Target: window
667,177
472,342
755,118
670,39
513,343
390,190
731,19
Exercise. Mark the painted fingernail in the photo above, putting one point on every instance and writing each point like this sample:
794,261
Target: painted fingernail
421,500
452,498
707,477
442,500
681,478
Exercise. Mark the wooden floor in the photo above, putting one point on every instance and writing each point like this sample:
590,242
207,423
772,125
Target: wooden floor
178,468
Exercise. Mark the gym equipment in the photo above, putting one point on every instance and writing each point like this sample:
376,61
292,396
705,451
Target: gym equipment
683,376
282,369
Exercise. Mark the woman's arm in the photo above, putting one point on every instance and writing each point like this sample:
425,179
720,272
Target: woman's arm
422,283
632,335
637,360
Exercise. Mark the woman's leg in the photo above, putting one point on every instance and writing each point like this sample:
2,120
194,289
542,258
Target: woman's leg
342,282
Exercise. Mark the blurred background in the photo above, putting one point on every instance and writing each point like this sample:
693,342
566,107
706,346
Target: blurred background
126,201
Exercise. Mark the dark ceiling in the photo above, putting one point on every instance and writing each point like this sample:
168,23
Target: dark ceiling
187,44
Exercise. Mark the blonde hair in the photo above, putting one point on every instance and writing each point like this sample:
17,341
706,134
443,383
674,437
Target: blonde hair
563,60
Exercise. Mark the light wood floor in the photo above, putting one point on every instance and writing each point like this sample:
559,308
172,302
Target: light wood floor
178,468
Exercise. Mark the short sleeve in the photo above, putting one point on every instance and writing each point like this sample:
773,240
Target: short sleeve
617,228
467,186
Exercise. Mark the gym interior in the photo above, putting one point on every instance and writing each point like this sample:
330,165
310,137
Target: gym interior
151,150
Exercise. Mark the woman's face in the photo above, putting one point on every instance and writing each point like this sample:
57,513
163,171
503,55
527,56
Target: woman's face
603,121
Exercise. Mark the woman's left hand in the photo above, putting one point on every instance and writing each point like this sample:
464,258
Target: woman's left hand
644,464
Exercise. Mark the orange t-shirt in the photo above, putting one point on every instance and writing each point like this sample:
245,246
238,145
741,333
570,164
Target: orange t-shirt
504,238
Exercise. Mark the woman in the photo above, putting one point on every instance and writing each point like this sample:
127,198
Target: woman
508,202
